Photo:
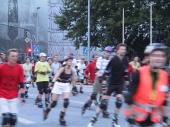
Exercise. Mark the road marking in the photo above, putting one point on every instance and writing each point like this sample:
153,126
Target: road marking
25,121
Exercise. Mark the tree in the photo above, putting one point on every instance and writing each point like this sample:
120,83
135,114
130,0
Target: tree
106,22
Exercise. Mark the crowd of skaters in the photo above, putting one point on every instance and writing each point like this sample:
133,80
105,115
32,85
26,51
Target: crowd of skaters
109,74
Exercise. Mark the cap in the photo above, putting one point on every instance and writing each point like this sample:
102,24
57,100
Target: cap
108,48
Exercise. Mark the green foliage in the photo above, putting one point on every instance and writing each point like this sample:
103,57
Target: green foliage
106,22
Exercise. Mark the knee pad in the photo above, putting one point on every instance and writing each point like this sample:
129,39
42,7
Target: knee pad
53,104
66,103
46,91
13,119
40,91
103,104
93,96
118,103
5,118
87,104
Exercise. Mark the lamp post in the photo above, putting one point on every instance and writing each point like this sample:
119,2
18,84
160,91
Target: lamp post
151,4
123,27
89,31
37,20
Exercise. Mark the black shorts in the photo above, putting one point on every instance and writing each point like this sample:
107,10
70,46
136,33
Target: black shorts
117,89
81,80
43,87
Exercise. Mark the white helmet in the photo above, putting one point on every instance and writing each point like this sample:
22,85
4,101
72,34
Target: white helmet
148,49
155,46
42,54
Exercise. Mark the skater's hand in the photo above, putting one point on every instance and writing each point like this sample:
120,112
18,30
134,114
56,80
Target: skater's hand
74,90
52,84
43,72
22,98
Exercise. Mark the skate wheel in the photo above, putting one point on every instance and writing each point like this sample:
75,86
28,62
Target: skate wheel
116,126
90,125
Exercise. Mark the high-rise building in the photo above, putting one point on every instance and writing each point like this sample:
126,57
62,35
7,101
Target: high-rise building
57,43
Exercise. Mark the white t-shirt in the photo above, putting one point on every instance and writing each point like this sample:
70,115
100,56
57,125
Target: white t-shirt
27,71
55,67
74,63
101,65
81,67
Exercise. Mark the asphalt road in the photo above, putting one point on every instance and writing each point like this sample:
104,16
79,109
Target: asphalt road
31,116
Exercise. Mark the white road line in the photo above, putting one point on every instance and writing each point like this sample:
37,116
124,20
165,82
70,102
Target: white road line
25,121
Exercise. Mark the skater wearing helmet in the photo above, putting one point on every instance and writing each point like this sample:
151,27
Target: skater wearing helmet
42,69
99,85
147,97
62,86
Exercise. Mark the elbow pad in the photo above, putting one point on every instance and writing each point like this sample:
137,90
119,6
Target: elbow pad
21,85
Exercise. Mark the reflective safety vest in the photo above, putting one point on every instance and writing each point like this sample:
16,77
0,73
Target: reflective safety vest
144,103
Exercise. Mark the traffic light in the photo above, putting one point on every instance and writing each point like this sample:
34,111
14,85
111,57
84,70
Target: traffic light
29,51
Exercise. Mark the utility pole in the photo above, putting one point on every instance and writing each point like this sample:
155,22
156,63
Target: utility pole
89,30
123,27
151,4
37,24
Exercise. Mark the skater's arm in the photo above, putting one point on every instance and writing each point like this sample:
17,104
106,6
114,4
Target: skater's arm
132,88
21,83
74,78
109,67
57,75
48,68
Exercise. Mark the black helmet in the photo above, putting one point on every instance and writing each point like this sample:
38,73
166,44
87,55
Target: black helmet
155,46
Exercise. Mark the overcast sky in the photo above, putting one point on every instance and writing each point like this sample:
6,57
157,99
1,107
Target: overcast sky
26,8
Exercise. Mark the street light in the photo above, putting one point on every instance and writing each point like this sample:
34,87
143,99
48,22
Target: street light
89,31
123,27
37,24
151,4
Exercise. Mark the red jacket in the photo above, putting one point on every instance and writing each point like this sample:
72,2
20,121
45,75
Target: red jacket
130,69
91,69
